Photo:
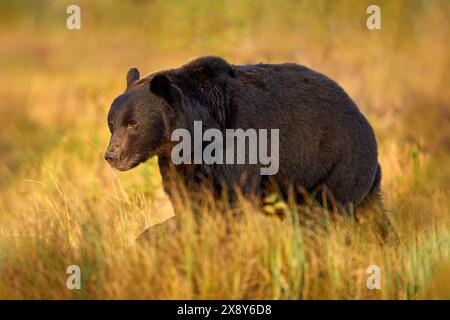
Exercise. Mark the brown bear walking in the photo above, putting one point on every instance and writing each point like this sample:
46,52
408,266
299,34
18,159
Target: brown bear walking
325,143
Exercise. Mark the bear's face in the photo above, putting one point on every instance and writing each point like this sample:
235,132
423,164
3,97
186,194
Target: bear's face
140,121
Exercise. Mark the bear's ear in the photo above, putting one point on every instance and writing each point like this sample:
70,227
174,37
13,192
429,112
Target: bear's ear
132,76
161,86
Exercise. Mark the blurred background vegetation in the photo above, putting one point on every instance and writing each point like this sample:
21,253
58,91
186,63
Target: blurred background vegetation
59,196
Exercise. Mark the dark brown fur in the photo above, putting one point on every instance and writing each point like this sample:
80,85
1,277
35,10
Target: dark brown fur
325,141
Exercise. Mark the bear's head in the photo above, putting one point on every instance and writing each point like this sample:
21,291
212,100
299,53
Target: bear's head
141,120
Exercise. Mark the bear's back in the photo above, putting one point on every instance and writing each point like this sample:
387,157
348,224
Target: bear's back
290,80
320,126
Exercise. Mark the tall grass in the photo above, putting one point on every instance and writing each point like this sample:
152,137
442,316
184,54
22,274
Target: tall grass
61,204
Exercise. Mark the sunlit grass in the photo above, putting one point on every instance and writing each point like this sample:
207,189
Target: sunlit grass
61,204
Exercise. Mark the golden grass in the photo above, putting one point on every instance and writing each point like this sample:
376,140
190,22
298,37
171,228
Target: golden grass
61,204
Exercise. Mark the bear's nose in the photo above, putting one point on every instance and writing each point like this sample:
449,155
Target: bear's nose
110,156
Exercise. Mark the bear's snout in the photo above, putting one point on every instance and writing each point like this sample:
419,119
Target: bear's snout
111,157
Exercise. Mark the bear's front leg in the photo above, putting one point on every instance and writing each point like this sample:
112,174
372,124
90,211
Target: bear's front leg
158,231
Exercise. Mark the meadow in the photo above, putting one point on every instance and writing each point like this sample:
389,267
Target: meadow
61,204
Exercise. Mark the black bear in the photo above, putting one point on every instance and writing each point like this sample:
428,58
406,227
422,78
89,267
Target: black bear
325,143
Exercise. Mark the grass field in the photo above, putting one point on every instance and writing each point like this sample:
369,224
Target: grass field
61,204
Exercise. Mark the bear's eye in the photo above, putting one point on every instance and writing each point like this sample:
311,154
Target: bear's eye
110,126
132,125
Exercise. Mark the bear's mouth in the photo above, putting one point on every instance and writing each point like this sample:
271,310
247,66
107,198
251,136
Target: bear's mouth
131,164
128,166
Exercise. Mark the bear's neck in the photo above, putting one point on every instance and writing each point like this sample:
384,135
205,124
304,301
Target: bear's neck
209,96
